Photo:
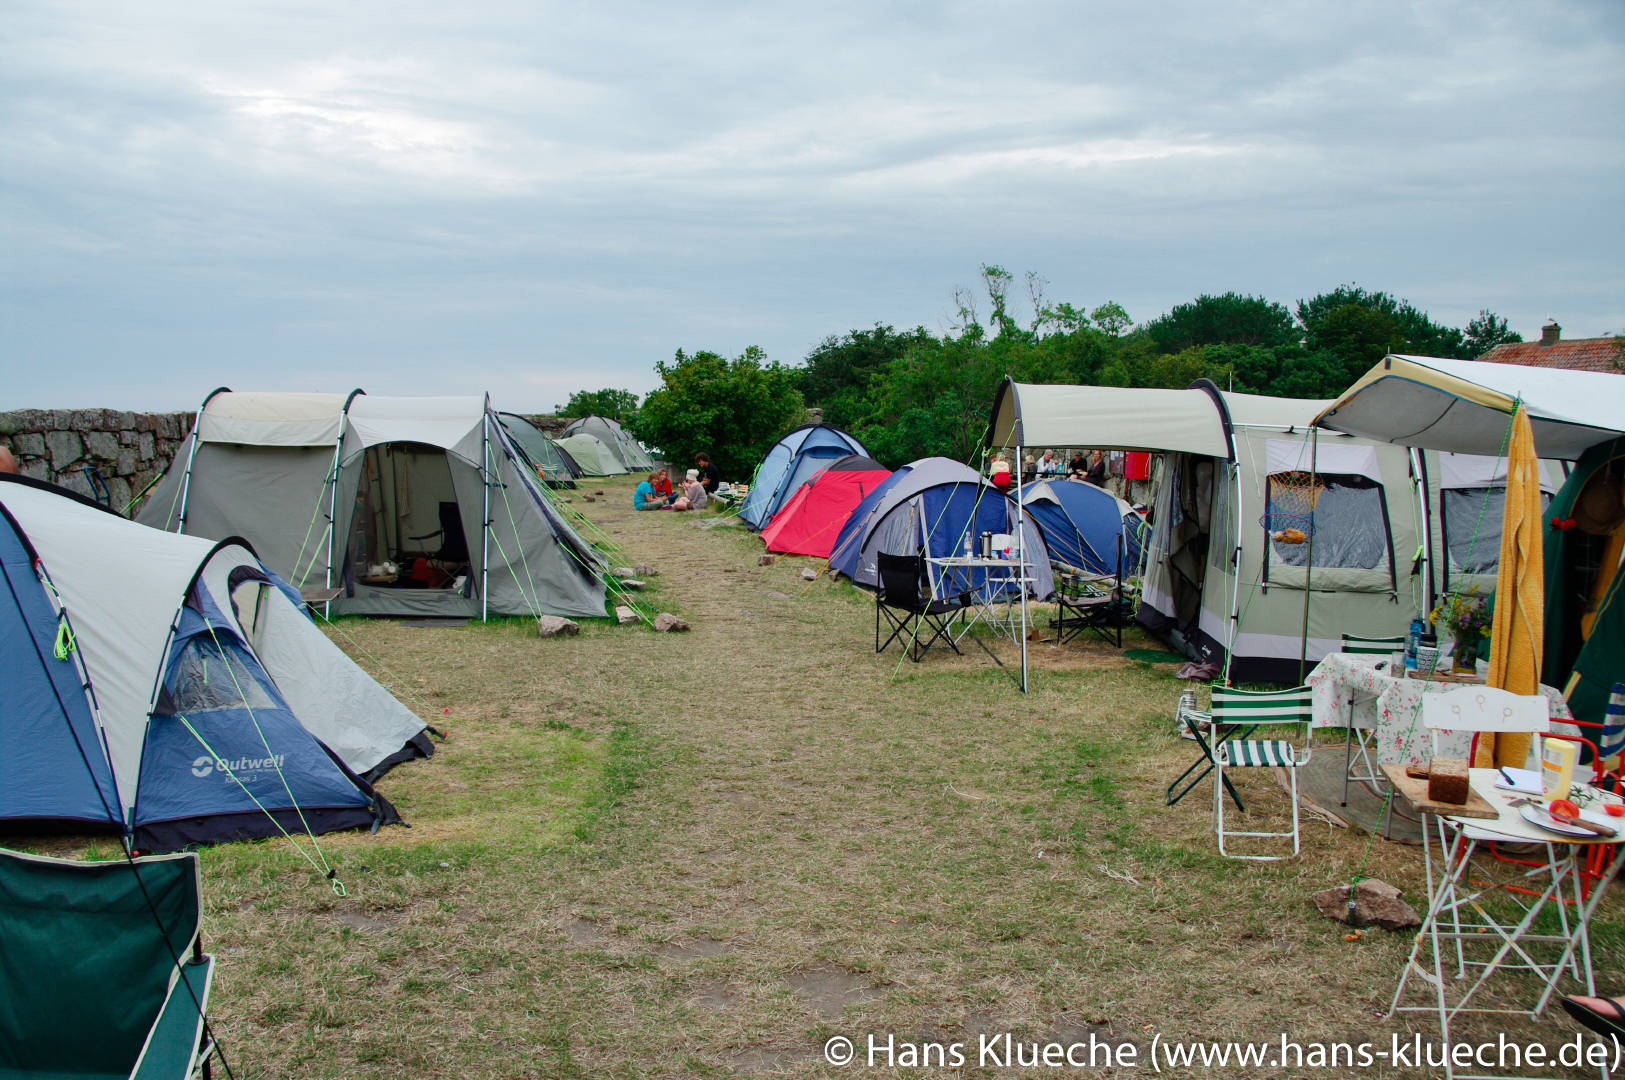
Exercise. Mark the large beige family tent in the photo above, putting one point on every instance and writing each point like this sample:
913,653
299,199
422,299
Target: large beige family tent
1226,571
408,506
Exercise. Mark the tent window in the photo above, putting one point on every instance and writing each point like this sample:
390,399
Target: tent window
202,679
1470,511
1351,528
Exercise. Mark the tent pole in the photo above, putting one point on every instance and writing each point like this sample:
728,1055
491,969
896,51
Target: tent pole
1021,566
191,456
1309,561
1419,479
1235,574
332,516
485,515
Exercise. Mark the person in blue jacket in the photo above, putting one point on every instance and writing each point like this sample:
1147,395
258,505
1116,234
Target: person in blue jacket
646,498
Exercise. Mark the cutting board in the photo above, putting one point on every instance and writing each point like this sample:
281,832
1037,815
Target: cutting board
1416,793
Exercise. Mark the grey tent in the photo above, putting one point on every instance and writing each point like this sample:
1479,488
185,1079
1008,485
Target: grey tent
627,450
547,458
593,455
424,507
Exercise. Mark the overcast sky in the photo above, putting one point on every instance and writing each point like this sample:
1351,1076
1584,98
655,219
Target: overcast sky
532,199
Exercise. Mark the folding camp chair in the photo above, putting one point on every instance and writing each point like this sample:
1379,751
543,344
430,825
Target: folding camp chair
1255,709
1091,602
104,975
1200,726
910,613
1360,741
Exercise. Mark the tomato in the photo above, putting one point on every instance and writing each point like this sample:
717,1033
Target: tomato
1614,809
1562,808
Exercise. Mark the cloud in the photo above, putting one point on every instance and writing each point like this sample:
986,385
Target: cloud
534,198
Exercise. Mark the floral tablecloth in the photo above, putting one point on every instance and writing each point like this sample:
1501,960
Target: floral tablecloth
1394,708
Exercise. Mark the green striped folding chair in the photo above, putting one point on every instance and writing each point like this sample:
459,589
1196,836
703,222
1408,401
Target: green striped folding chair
1361,742
1255,709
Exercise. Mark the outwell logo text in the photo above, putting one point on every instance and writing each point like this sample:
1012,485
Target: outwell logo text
205,766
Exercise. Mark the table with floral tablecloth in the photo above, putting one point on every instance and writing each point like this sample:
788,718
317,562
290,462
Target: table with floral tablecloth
1394,707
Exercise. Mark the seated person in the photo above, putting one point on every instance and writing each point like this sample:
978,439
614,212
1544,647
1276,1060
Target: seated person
645,498
1077,467
1097,472
1000,473
712,476
662,484
694,490
1047,465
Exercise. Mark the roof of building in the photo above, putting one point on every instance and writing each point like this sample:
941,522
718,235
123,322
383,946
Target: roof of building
1577,354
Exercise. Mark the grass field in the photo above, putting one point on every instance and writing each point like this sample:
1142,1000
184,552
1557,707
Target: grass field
703,854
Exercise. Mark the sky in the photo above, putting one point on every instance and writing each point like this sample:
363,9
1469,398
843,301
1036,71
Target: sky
532,199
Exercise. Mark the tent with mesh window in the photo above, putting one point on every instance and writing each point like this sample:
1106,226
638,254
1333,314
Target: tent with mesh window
1243,487
405,505
172,689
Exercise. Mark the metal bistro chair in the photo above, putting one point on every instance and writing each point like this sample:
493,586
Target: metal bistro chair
909,612
1091,602
1257,708
1361,742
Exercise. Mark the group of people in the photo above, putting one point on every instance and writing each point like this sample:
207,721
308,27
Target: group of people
1089,468
657,493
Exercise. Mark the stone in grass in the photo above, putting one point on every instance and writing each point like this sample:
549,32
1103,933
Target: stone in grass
600,491
809,574
588,498
645,570
764,560
632,583
624,572
625,615
664,622
553,626
1376,903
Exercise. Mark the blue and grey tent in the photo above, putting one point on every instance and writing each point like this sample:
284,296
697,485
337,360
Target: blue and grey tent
171,689
1082,525
790,463
932,506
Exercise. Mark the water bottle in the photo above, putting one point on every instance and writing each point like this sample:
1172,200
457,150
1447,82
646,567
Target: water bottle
1412,640
970,545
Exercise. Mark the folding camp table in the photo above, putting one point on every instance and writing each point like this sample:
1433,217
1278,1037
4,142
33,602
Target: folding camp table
1004,583
1459,931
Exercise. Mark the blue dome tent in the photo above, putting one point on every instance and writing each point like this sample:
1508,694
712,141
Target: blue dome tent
171,689
933,504
790,463
1081,524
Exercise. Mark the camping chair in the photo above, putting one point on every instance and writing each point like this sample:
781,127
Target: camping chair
1256,708
1362,741
453,541
1091,602
1200,726
104,975
908,612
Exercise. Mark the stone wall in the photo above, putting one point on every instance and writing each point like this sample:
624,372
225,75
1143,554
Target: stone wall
128,449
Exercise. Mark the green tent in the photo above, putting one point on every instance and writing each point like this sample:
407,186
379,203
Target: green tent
595,458
1585,665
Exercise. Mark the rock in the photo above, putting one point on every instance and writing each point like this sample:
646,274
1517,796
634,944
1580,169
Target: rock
624,572
32,444
1376,903
65,448
632,583
809,574
625,615
600,491
126,462
144,446
588,498
644,570
101,444
764,560
665,622
553,626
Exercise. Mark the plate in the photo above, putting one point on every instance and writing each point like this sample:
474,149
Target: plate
1537,816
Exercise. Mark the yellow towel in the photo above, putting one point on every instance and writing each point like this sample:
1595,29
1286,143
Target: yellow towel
1520,598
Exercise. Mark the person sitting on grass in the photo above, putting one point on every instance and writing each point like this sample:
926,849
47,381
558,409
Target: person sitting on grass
694,490
712,475
645,497
662,483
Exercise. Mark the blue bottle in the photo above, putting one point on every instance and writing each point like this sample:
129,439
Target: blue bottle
1412,639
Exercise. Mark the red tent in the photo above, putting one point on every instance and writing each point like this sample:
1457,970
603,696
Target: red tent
812,519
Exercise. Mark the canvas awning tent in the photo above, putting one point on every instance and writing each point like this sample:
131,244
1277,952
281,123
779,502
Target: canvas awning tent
1216,583
1466,406
172,688
813,516
554,462
401,517
791,462
627,450
592,455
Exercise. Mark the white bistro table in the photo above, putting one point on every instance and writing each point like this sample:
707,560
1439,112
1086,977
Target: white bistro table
1459,931
998,602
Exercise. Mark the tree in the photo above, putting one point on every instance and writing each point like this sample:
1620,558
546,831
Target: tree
1358,336
1228,319
618,405
1486,332
838,371
734,410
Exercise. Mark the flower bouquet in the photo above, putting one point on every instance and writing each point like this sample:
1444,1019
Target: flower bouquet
1467,618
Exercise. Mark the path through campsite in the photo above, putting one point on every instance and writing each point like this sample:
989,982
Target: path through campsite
694,854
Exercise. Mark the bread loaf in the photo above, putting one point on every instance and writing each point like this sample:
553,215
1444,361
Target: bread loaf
1447,781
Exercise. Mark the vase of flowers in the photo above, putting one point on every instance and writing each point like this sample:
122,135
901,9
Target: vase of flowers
1466,616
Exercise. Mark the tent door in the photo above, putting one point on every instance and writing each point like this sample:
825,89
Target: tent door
408,532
